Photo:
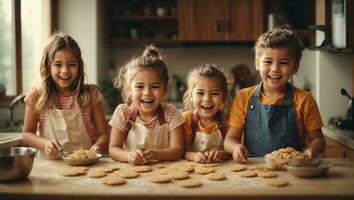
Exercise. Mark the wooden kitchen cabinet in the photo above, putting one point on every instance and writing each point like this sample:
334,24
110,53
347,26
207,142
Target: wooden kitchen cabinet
337,150
220,20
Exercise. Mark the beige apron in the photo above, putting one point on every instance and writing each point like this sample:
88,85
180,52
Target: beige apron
67,127
140,137
208,142
203,141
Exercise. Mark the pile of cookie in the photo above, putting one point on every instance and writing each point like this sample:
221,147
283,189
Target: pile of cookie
287,153
82,154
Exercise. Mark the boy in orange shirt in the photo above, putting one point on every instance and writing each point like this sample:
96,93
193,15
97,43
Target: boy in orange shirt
274,114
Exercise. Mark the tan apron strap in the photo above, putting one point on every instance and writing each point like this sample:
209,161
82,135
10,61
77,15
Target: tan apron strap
194,125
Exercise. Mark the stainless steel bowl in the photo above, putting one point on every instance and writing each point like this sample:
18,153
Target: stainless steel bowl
16,162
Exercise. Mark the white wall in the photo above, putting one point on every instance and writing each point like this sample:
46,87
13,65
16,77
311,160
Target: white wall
78,18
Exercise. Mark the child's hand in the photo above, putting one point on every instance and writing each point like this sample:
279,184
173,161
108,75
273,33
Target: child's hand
136,157
96,148
201,157
52,149
214,156
311,153
240,153
149,155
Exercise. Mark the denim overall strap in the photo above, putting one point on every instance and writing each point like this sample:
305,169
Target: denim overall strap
270,127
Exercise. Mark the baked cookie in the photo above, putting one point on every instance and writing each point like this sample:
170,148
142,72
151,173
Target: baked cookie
113,180
237,168
96,173
190,183
179,175
211,164
142,169
216,176
73,171
277,182
160,178
204,170
158,166
183,168
126,174
105,169
255,167
267,174
247,174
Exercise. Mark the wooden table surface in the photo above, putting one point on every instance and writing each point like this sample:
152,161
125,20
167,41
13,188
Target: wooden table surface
45,182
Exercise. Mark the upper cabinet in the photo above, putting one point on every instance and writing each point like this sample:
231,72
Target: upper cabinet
220,20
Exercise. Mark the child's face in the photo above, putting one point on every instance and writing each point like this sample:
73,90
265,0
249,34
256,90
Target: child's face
276,66
147,91
64,69
207,97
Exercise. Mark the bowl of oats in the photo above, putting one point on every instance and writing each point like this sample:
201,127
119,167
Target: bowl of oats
277,160
80,157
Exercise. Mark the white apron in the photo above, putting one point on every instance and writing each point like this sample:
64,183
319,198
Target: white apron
67,127
205,142
140,137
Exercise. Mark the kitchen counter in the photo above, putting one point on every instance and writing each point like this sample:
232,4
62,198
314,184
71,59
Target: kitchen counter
45,182
10,139
344,137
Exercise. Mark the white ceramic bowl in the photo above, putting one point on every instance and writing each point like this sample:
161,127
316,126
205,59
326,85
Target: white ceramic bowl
310,171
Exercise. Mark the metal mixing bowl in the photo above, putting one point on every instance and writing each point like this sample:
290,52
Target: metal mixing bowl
16,162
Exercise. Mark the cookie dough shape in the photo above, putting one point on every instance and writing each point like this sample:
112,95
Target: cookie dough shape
142,169
179,175
96,173
74,171
127,174
216,176
113,180
247,174
190,183
160,178
267,174
204,170
237,168
277,182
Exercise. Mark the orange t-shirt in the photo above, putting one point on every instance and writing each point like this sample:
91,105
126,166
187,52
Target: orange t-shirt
307,113
188,115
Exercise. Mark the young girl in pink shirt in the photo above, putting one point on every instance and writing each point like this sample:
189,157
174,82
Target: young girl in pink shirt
144,129
63,113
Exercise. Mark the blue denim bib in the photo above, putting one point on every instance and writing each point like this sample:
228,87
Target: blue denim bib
270,127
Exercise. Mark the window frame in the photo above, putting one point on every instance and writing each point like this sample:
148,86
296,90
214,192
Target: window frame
18,42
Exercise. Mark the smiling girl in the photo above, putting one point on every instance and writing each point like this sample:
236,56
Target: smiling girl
144,129
63,113
206,101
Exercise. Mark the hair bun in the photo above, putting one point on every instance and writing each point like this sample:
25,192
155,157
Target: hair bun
151,51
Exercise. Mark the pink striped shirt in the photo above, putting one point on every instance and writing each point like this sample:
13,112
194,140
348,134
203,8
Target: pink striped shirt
66,102
121,117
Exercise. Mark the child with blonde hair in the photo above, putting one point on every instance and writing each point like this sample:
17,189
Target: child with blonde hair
206,101
66,113
145,129
275,114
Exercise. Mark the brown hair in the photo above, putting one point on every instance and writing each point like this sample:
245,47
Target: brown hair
47,92
149,59
280,37
212,72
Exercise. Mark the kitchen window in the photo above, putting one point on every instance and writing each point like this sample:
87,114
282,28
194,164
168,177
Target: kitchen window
24,27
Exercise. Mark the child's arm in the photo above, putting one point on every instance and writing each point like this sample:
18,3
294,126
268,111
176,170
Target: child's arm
50,147
174,152
317,144
101,128
232,144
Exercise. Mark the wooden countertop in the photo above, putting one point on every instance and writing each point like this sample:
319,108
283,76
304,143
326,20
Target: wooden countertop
344,137
46,183
10,139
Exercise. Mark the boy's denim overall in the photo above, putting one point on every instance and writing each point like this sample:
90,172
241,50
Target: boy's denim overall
270,127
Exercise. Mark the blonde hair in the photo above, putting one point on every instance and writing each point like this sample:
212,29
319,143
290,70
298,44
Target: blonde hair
212,72
280,37
47,94
150,59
